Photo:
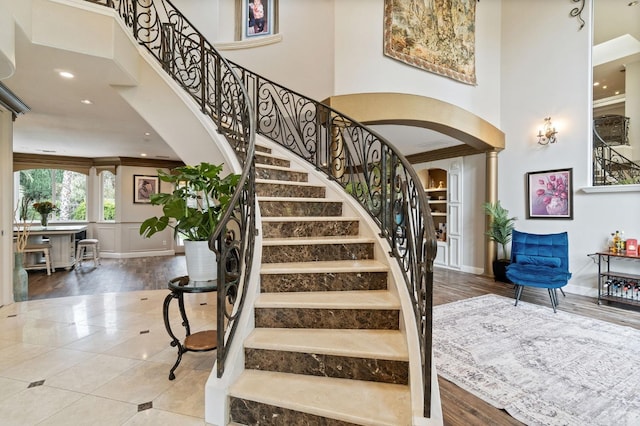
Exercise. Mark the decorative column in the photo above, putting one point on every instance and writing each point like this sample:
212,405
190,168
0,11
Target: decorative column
491,189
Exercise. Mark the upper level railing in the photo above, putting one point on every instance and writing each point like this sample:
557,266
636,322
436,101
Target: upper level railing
610,167
362,162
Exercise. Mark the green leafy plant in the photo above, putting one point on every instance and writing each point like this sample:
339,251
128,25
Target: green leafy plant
501,226
196,204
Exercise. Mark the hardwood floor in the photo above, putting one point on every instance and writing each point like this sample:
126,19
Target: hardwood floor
459,407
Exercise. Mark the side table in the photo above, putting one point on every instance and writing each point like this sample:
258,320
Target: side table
198,342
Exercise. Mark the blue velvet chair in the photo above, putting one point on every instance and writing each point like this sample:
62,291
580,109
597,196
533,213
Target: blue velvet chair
539,261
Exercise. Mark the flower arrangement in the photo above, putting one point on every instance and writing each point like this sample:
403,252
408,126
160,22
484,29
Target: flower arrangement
45,207
552,194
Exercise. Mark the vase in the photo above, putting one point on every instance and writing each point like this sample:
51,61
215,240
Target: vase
20,279
44,219
201,261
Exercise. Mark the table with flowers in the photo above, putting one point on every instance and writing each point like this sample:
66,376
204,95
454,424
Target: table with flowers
62,240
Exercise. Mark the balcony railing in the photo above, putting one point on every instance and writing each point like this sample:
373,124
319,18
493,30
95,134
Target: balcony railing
366,165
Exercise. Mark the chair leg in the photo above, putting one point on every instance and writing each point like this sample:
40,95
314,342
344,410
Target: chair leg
47,261
562,291
553,296
518,293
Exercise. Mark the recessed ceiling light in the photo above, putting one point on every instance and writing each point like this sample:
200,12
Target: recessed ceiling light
147,134
66,74
86,102
634,3
604,87
143,155
596,84
617,92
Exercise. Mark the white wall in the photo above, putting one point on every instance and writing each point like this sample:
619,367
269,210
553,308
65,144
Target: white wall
546,72
360,65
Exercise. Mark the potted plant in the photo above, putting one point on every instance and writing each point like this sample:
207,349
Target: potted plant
500,230
193,209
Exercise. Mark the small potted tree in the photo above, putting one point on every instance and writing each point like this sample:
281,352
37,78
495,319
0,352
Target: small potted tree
500,230
193,209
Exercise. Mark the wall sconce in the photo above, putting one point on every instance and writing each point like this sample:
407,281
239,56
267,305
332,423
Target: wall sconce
547,134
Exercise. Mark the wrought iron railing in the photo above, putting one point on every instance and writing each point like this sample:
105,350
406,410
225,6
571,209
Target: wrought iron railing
364,163
610,167
369,168
190,60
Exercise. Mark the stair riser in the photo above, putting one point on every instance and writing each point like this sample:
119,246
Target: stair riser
271,161
263,149
274,174
345,281
248,412
309,229
367,319
341,367
279,190
316,252
299,208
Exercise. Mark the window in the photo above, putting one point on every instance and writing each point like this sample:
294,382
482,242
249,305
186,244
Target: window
108,181
64,188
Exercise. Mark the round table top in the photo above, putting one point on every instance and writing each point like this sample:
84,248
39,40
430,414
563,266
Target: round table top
186,285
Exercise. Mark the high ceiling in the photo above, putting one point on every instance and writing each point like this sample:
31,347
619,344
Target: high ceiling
59,124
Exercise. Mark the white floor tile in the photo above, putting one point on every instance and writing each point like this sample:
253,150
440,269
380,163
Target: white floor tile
35,404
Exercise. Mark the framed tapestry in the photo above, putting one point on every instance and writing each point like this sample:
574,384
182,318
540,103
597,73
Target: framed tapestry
550,194
435,35
143,188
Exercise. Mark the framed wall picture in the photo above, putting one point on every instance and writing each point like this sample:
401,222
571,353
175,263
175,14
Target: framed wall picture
256,18
550,194
144,187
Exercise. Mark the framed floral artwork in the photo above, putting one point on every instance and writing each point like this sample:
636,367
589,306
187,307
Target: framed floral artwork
550,194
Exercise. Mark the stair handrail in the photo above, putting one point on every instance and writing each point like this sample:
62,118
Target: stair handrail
374,172
365,164
186,55
616,169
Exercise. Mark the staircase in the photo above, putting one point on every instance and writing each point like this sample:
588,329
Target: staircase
327,348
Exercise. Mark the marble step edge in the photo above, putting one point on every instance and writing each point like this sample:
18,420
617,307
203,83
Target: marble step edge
272,219
348,299
376,404
297,241
327,266
370,344
299,199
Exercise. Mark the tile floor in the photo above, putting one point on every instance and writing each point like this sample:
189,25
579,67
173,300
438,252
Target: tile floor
101,360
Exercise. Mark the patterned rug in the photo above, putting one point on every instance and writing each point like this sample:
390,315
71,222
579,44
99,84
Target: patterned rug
542,368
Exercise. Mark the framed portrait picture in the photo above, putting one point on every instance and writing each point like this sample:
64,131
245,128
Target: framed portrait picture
143,188
550,194
257,17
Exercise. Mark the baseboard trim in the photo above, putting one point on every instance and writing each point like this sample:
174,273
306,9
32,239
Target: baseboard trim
109,255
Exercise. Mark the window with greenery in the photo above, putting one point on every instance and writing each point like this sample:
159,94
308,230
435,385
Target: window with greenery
108,180
67,190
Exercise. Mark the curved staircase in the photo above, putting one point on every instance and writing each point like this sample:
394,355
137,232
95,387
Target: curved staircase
327,348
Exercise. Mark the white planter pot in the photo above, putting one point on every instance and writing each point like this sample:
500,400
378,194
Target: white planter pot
201,262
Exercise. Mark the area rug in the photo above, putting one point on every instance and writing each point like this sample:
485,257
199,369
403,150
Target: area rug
542,368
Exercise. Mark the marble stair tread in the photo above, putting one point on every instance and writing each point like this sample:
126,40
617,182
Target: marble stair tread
333,266
354,299
288,182
376,403
341,239
371,344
